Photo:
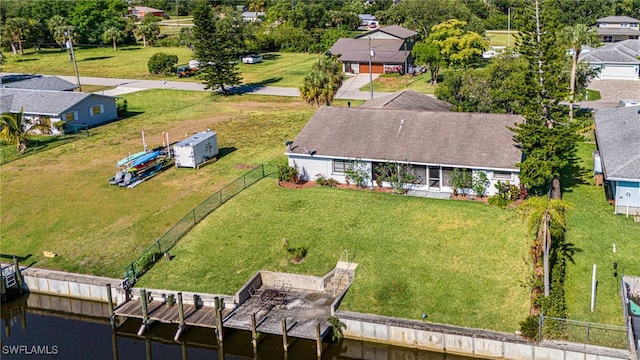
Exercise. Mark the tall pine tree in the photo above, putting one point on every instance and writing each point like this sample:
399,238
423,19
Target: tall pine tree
546,138
213,48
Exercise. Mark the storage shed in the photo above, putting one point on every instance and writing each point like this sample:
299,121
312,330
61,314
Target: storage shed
196,149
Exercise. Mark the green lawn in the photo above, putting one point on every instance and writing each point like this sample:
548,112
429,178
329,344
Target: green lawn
501,37
59,200
278,69
459,262
593,228
419,83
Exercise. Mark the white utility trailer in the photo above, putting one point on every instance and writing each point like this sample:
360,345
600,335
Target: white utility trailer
196,149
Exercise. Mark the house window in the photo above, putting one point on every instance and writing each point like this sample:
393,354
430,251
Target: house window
339,166
447,173
502,175
608,38
70,116
96,110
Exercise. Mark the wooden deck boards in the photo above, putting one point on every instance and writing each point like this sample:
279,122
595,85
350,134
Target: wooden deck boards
159,311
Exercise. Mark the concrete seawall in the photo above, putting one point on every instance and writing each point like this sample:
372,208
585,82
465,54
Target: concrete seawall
464,341
399,332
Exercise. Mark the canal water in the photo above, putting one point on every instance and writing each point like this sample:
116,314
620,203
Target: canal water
29,330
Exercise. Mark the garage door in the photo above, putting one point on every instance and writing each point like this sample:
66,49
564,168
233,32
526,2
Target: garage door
375,68
621,72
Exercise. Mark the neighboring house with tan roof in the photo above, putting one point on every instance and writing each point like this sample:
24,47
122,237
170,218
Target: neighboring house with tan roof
618,61
77,109
390,46
617,133
612,29
434,143
142,11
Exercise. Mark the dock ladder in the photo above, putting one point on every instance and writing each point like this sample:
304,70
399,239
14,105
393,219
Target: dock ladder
341,270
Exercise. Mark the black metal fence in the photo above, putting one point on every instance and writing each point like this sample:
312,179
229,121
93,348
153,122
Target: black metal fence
613,336
161,246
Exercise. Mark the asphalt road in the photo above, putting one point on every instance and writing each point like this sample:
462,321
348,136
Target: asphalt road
349,89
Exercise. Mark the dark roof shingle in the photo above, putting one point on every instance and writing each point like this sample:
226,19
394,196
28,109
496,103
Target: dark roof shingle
42,83
407,100
618,135
443,138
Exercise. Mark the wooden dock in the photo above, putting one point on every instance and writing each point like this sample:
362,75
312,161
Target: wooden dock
160,311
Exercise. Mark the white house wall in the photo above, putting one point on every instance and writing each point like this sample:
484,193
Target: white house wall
627,197
310,167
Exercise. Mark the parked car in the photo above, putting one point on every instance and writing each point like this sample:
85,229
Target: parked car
185,71
373,25
252,59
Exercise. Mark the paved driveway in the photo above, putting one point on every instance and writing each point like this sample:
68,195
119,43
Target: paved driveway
612,91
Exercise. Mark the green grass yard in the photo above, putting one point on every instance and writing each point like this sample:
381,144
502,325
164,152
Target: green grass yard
419,83
70,209
278,69
459,262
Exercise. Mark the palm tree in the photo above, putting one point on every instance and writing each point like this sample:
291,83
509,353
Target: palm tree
58,26
114,35
575,37
148,29
256,5
13,129
322,83
16,29
546,219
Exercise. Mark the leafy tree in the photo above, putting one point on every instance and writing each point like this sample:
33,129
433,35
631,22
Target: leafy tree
16,29
113,34
214,49
162,63
546,220
421,16
457,46
149,29
91,18
428,54
575,37
322,83
186,37
58,26
14,129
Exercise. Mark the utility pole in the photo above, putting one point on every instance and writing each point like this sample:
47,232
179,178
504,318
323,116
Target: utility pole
73,57
178,12
406,80
508,25
371,54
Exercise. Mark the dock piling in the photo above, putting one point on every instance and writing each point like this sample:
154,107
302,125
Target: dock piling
219,325
285,343
318,341
112,317
18,275
180,317
145,314
254,335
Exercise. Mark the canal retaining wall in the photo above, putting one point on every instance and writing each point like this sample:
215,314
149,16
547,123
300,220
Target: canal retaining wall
401,332
464,341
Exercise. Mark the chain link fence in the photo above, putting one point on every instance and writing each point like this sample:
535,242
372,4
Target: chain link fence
613,336
153,253
34,146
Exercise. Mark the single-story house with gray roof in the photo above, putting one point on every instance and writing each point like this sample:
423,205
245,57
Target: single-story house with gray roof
617,61
433,143
391,47
74,108
618,140
42,83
